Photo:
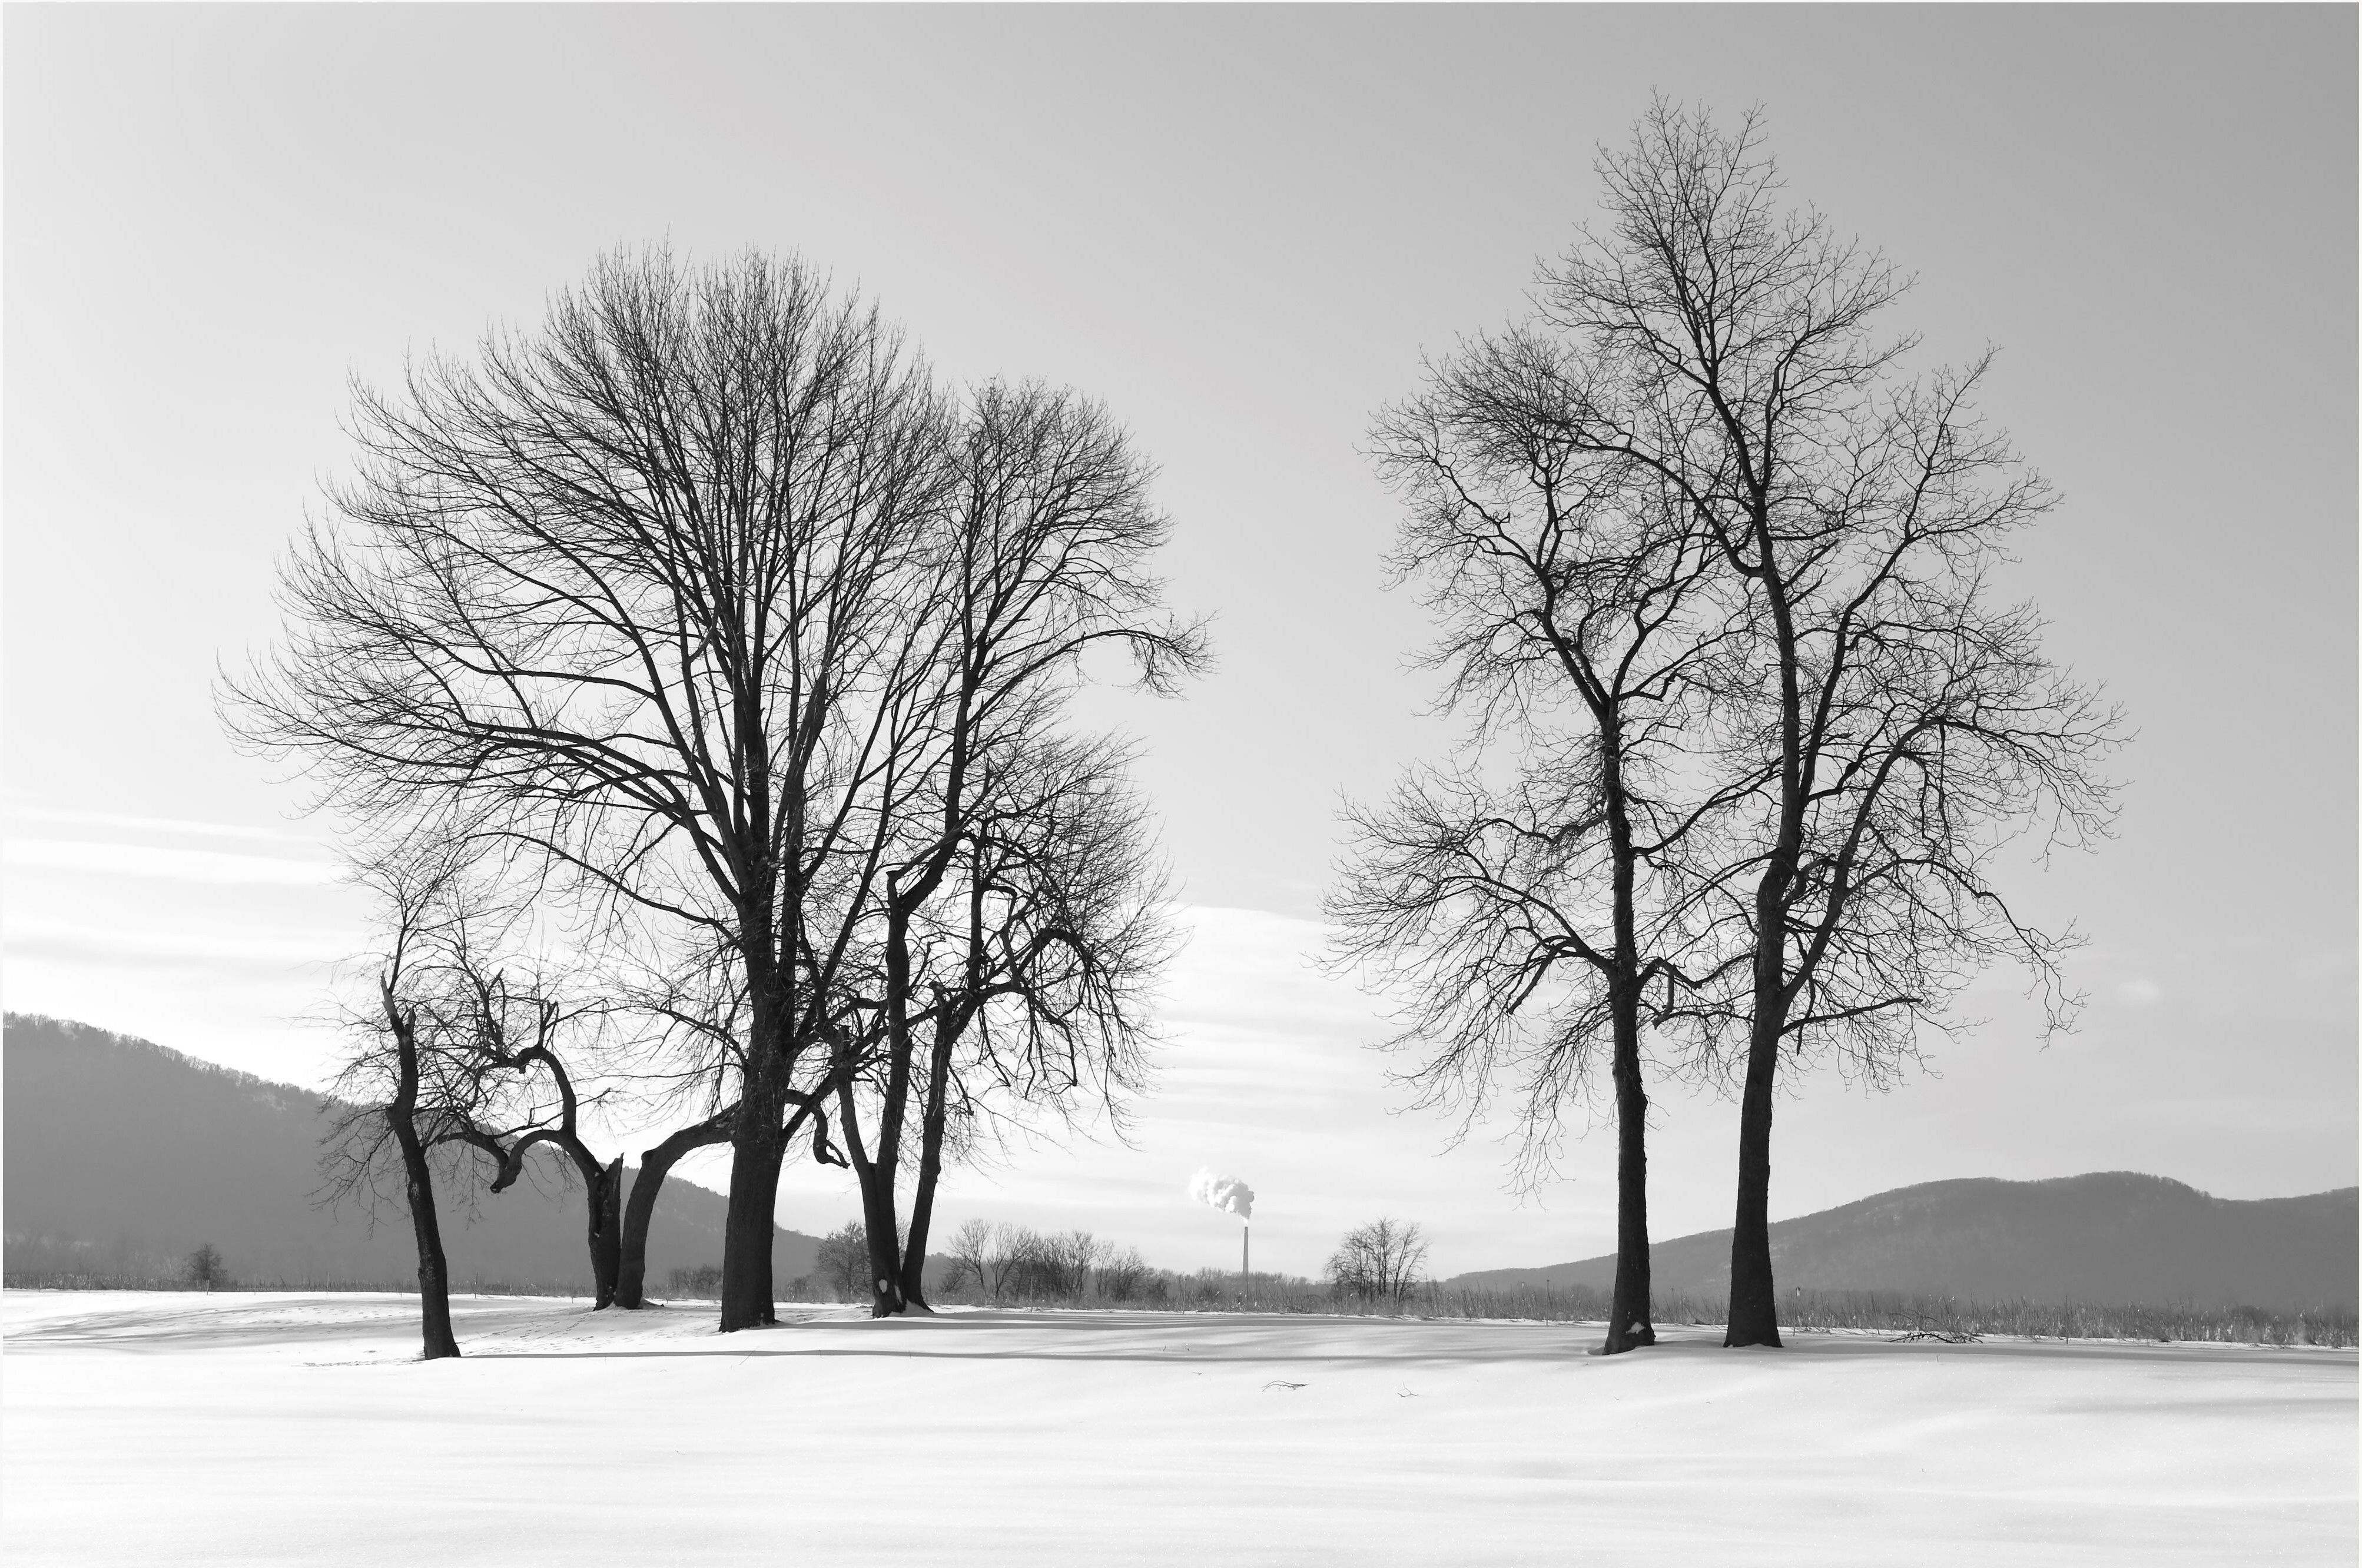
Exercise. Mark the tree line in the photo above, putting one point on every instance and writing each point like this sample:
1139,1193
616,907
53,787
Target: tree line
694,680
996,1263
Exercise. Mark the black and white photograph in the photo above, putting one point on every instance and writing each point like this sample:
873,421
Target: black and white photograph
1180,784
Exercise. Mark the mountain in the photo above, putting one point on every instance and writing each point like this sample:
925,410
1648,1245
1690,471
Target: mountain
2113,1238
121,1157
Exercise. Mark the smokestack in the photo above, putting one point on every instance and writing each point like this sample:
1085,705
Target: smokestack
1232,1196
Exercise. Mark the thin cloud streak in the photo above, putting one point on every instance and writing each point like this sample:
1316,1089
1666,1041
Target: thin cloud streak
110,947
205,865
180,826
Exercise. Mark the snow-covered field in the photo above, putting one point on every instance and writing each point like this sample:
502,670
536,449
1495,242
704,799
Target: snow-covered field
298,1428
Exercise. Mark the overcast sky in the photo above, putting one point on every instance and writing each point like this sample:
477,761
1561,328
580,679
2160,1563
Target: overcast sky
1241,228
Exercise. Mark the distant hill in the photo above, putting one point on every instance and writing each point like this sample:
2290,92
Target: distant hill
2112,1238
121,1156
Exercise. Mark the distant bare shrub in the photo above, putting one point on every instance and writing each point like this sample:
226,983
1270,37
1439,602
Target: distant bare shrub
204,1269
970,1250
1951,1317
843,1264
1891,1314
1209,1287
1124,1276
1003,1251
702,1283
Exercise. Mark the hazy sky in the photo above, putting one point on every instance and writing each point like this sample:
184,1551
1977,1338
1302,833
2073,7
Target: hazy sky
1241,228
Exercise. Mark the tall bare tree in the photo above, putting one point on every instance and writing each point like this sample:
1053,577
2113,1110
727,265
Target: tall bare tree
1523,922
419,1186
640,587
1041,969
1047,561
406,1090
1906,724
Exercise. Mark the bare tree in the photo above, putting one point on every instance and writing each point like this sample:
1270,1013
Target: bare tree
1051,531
404,1091
1524,921
1070,1259
203,1268
1041,959
517,1025
1011,1247
1906,725
513,1030
970,1250
843,1261
1381,1260
642,588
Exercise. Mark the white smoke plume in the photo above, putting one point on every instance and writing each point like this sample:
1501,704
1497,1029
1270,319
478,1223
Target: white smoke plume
1228,1194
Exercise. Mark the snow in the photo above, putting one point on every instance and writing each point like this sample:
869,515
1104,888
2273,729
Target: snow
299,1429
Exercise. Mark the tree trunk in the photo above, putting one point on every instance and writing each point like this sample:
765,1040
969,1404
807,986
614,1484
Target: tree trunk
930,1167
1630,1312
632,1251
755,1149
878,1175
433,1272
1754,1313
1630,1315
606,1233
877,1220
1754,1316
905,1265
749,1224
1754,1308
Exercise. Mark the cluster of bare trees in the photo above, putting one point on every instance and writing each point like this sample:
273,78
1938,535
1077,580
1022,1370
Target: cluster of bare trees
1012,1263
697,675
1382,1261
467,1059
1750,730
703,637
